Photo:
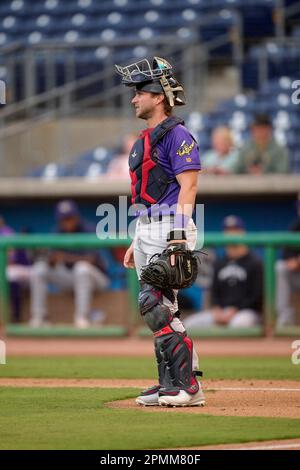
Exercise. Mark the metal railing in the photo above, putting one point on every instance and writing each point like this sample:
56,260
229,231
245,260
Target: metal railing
269,241
191,54
266,56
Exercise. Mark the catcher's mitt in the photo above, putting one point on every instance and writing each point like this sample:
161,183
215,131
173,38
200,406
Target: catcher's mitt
176,268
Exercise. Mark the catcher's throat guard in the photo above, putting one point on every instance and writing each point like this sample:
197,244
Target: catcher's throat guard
176,268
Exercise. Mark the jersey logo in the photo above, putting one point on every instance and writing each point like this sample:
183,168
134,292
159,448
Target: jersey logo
185,149
134,154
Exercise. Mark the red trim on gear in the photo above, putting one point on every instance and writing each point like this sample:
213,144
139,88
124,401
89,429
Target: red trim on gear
176,348
164,331
194,388
134,179
169,393
189,344
147,165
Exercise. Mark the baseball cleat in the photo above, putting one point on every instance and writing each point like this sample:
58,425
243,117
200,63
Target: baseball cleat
176,397
149,397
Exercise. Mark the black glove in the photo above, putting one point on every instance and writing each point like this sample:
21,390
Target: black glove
176,268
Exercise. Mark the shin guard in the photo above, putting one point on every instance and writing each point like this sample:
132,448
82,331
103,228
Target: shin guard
177,353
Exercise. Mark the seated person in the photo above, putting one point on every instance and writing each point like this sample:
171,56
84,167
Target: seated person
262,154
222,158
288,278
17,272
236,293
80,270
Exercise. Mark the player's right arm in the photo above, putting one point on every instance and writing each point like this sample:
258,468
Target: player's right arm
128,258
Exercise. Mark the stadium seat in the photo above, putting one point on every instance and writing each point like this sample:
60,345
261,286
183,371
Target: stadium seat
51,171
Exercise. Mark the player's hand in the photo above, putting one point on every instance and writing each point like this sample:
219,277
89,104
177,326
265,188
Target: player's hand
128,258
293,264
172,258
57,257
222,316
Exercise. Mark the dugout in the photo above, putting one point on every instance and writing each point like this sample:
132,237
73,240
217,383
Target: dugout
30,203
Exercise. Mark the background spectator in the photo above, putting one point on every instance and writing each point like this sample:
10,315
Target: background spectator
118,167
262,154
236,287
80,270
222,158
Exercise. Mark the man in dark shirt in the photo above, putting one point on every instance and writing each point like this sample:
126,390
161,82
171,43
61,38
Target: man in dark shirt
68,269
288,278
236,288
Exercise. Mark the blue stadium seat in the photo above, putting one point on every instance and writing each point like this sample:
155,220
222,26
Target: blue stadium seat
35,37
91,164
276,86
11,24
281,61
50,171
44,22
16,6
5,39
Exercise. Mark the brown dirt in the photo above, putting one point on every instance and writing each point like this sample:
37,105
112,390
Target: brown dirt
144,347
85,383
276,398
286,444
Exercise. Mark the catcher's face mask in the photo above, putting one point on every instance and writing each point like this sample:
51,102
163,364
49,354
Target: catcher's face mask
157,78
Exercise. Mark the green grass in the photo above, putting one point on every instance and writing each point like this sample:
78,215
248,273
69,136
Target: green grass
144,368
69,418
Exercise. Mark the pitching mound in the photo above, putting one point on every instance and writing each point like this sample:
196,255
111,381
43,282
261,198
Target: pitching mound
275,399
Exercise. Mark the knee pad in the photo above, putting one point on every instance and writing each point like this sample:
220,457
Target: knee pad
156,314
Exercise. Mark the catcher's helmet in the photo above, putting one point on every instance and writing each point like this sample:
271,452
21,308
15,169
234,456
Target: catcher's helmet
157,78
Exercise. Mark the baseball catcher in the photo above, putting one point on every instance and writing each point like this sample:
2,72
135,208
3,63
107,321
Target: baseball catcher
163,165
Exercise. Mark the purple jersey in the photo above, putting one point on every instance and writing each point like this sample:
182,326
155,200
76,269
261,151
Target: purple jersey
177,152
5,230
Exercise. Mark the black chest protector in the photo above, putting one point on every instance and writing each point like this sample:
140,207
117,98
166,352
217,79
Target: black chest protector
149,181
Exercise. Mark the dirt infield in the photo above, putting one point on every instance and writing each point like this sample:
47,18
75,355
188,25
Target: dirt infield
276,398
288,444
144,347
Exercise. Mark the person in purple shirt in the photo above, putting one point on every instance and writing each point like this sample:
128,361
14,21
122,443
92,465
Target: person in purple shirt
163,164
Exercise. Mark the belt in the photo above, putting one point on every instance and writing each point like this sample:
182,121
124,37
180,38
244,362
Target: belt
147,219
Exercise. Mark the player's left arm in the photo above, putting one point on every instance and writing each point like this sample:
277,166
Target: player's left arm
188,181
